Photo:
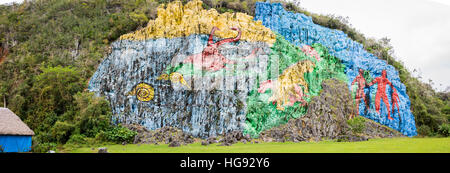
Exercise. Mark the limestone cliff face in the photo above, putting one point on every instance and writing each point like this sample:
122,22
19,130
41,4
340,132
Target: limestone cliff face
299,30
213,105
209,73
203,102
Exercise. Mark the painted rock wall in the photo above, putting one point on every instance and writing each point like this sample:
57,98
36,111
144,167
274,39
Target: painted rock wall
209,73
299,29
158,77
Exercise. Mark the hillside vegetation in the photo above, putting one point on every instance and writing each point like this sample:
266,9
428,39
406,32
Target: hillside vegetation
54,47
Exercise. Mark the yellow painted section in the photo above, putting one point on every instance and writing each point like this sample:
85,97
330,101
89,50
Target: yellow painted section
285,84
176,20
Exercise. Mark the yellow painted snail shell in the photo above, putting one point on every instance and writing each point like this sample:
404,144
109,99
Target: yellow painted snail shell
144,92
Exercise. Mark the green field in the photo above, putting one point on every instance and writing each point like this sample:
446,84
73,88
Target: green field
386,145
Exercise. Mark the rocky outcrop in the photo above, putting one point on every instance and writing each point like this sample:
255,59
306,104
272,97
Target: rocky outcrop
103,150
176,137
166,135
234,137
326,119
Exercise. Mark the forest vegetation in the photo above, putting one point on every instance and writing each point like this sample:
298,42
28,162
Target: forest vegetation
53,47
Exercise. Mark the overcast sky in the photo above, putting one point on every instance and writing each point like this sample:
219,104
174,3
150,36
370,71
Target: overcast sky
8,1
418,29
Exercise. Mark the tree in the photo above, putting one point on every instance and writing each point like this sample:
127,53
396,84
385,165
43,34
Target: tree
53,92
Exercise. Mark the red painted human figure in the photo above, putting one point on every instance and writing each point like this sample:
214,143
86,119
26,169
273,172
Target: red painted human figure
395,101
360,91
381,92
210,58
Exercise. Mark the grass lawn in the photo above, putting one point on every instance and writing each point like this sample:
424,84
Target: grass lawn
387,145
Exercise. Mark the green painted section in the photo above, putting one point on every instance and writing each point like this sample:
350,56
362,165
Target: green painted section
262,115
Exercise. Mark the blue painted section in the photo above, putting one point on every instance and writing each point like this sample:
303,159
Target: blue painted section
299,29
15,143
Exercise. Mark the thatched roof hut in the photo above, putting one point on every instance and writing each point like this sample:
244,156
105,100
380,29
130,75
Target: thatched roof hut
15,136
10,124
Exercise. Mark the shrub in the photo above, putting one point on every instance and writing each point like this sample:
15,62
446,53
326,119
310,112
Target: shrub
61,131
43,137
357,124
101,137
120,134
424,130
446,110
54,87
93,114
444,130
43,147
77,139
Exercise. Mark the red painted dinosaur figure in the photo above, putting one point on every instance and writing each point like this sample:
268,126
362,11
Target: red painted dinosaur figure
360,91
210,58
381,92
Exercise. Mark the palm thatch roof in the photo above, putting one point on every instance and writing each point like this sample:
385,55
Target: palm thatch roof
10,124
